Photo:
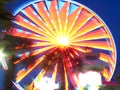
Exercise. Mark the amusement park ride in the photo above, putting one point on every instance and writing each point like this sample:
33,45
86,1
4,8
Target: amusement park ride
67,37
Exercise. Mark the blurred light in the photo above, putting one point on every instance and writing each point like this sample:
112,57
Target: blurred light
1,53
45,83
17,85
90,79
19,55
93,87
2,60
63,41
82,79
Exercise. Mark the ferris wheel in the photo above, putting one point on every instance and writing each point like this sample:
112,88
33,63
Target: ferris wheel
62,32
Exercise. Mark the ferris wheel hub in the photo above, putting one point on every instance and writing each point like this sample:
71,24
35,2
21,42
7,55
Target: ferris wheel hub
63,41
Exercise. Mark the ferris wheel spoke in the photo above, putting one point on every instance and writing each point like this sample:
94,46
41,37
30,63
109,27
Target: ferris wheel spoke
32,54
42,10
66,80
94,35
106,74
30,13
41,74
55,73
30,35
94,44
89,26
54,14
41,44
81,49
72,18
72,76
28,25
44,70
83,18
42,50
23,73
63,15
108,59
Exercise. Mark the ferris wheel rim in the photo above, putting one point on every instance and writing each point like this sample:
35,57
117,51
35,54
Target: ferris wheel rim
96,15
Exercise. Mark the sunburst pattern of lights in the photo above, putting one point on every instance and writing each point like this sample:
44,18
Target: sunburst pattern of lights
52,24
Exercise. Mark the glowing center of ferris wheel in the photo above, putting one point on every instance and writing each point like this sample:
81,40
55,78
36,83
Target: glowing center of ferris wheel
63,41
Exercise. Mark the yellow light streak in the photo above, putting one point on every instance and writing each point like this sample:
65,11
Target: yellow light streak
55,72
66,79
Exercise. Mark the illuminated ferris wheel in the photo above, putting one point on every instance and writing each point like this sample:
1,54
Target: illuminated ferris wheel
62,31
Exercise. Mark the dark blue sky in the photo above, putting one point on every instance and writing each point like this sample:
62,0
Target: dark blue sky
108,10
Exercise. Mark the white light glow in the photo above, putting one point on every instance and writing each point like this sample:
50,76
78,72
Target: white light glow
93,88
2,60
63,41
45,83
91,79
1,53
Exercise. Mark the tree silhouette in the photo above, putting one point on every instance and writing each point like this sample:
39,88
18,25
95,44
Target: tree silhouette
11,45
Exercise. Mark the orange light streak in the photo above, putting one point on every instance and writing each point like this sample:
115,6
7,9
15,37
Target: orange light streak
106,74
72,76
105,57
71,19
44,14
20,76
44,71
30,36
64,17
89,26
81,49
42,50
41,44
54,15
83,17
28,26
55,72
94,44
66,79
41,74
108,59
21,59
97,34
29,12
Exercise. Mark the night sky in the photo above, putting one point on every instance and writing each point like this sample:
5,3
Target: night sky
108,10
